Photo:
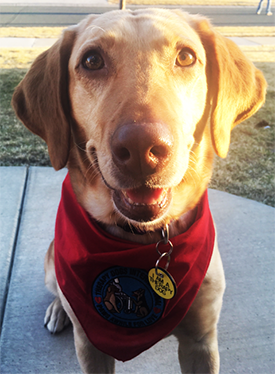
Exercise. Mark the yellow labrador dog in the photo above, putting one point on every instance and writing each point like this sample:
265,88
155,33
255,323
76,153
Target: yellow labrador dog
135,103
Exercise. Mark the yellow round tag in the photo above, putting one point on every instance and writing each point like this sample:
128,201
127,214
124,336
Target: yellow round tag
162,283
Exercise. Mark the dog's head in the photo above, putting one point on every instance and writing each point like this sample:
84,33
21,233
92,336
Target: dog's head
129,101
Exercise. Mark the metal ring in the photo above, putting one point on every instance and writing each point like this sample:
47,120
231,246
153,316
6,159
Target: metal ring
165,237
168,242
165,254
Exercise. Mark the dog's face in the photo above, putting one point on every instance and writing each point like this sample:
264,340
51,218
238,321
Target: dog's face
130,107
138,89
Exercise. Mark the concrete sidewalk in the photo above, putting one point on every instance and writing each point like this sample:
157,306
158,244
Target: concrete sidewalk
35,13
64,14
29,43
28,204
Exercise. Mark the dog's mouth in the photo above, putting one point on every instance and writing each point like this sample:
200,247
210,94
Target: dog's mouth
143,204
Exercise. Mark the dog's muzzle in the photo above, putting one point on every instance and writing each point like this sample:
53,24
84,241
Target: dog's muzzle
140,152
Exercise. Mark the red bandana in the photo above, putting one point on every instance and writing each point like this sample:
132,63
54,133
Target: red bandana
105,279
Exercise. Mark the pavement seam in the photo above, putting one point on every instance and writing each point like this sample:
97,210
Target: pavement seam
13,252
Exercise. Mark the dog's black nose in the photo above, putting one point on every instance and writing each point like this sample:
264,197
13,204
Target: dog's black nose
141,149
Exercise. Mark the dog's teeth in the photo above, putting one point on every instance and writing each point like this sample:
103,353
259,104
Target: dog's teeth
129,199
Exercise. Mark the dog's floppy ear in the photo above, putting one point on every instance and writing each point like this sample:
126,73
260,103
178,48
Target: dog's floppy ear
41,99
236,88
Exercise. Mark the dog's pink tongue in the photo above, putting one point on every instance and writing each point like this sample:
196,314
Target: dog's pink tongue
145,195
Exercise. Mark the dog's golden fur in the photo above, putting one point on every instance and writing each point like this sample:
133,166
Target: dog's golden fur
79,112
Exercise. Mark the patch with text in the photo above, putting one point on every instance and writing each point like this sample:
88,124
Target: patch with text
124,297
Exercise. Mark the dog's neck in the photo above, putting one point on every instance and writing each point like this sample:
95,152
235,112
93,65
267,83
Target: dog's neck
176,227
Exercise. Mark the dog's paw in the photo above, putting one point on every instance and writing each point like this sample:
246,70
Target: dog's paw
56,318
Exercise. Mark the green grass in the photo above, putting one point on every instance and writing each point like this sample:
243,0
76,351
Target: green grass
247,171
18,145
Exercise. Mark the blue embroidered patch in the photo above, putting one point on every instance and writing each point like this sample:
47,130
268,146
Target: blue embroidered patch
123,296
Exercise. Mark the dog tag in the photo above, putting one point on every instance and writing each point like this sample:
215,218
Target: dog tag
162,283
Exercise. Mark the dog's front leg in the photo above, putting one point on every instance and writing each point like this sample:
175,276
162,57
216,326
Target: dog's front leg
199,356
91,360
56,318
197,333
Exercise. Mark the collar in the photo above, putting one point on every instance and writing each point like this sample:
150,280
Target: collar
132,229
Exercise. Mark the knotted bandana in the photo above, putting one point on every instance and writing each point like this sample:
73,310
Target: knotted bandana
105,279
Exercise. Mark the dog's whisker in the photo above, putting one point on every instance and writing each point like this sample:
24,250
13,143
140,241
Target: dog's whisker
79,147
95,172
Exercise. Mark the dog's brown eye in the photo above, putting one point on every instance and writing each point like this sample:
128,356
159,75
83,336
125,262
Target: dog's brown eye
185,58
93,61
